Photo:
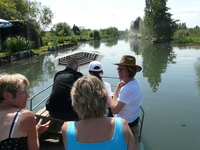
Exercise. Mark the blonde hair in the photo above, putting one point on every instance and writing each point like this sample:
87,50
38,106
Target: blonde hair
12,83
89,97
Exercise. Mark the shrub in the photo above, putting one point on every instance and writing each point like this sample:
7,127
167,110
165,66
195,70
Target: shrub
17,44
45,40
74,40
60,40
91,34
55,43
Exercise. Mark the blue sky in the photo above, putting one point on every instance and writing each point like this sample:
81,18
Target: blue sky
96,14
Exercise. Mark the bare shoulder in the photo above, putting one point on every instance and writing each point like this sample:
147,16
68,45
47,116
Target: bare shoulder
128,136
27,115
65,125
124,122
126,129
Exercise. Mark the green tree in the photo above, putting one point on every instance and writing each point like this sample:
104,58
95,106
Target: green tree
7,9
46,16
182,26
159,20
97,34
135,25
111,31
61,26
27,11
143,29
76,30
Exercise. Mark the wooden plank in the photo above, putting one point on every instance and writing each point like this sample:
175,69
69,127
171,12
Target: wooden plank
41,111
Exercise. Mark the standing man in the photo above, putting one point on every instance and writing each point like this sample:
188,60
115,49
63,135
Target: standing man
59,103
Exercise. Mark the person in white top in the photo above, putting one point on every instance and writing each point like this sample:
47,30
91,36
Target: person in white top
127,97
96,69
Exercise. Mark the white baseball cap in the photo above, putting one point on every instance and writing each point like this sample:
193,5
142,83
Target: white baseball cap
95,66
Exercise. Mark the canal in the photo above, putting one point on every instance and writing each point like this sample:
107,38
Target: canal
170,81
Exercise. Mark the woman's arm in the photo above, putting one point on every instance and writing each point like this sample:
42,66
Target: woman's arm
128,136
117,105
32,135
109,102
64,130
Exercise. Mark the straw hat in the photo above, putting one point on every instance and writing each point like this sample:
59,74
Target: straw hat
128,60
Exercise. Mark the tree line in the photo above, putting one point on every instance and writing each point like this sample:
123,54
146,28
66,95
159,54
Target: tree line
158,24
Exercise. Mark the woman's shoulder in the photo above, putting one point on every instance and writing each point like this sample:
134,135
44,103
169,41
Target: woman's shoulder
65,125
27,112
27,115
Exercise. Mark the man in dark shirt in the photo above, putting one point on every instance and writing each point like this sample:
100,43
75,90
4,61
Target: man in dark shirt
59,103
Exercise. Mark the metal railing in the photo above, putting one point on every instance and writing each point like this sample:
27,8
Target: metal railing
141,122
44,99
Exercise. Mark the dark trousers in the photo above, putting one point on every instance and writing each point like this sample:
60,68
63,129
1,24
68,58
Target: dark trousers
135,122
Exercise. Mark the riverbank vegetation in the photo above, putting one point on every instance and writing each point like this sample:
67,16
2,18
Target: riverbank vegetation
185,35
157,24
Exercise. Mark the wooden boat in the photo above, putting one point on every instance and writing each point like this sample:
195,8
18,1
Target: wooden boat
52,138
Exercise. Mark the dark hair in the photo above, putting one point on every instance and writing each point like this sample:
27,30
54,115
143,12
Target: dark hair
132,71
97,73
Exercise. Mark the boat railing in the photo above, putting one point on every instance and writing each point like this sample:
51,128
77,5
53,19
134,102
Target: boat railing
141,123
43,100
32,108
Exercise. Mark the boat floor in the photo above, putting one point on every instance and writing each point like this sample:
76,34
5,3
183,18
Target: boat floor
55,145
51,145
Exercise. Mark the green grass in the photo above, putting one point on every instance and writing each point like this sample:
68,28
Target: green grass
41,50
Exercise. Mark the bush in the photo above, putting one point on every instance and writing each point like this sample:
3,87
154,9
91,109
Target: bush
45,40
74,40
61,40
91,34
17,44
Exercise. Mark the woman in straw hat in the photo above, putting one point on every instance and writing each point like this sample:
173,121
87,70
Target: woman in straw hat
127,97
94,130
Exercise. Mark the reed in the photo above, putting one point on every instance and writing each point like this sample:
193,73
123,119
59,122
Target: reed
17,44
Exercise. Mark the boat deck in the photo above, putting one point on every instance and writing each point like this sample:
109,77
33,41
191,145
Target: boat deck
51,146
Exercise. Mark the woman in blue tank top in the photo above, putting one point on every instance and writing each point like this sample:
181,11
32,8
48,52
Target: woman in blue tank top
94,131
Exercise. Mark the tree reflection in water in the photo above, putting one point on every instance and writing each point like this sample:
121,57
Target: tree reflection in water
156,59
197,70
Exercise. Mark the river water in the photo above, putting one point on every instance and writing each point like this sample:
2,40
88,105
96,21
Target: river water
170,81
